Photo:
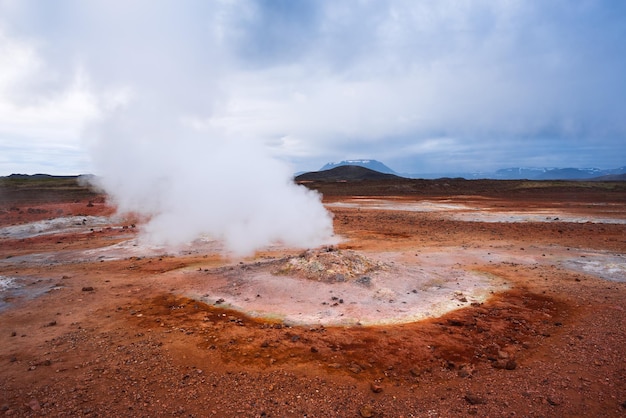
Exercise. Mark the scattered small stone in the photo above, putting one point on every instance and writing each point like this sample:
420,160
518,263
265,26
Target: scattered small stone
314,350
498,364
465,371
375,387
415,372
340,278
508,364
364,281
220,300
355,368
474,399
511,365
366,411
34,405
51,324
13,334
88,289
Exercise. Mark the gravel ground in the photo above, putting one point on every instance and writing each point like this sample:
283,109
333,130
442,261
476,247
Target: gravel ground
114,338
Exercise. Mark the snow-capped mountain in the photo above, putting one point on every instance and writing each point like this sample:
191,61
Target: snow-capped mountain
554,173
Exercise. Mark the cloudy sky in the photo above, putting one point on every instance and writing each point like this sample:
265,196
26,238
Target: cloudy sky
424,86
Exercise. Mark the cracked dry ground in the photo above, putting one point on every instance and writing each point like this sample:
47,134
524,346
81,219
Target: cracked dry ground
107,338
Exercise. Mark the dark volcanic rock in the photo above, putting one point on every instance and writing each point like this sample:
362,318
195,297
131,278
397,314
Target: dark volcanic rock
474,399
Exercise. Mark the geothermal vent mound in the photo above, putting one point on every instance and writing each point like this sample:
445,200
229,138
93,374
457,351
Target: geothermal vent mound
330,265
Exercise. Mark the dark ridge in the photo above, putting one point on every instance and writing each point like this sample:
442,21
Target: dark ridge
37,176
611,191
19,189
346,173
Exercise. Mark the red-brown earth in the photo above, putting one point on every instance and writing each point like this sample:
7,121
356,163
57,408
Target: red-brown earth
119,331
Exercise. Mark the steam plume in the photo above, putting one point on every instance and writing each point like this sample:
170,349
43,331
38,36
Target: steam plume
160,73
196,185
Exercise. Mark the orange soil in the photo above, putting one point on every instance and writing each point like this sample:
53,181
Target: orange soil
108,338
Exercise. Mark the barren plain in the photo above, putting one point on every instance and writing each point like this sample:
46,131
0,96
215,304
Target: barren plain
442,298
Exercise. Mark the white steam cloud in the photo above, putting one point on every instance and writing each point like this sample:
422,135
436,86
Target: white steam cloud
189,182
154,149
231,191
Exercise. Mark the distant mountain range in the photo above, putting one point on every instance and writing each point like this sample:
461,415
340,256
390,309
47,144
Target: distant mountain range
512,173
556,173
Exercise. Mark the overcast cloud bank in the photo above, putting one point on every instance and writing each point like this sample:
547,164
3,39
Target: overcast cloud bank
424,86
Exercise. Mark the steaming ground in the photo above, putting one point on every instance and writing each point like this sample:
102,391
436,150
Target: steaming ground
61,225
199,186
403,290
325,286
409,287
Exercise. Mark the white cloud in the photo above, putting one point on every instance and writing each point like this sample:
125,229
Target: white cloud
330,78
37,126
